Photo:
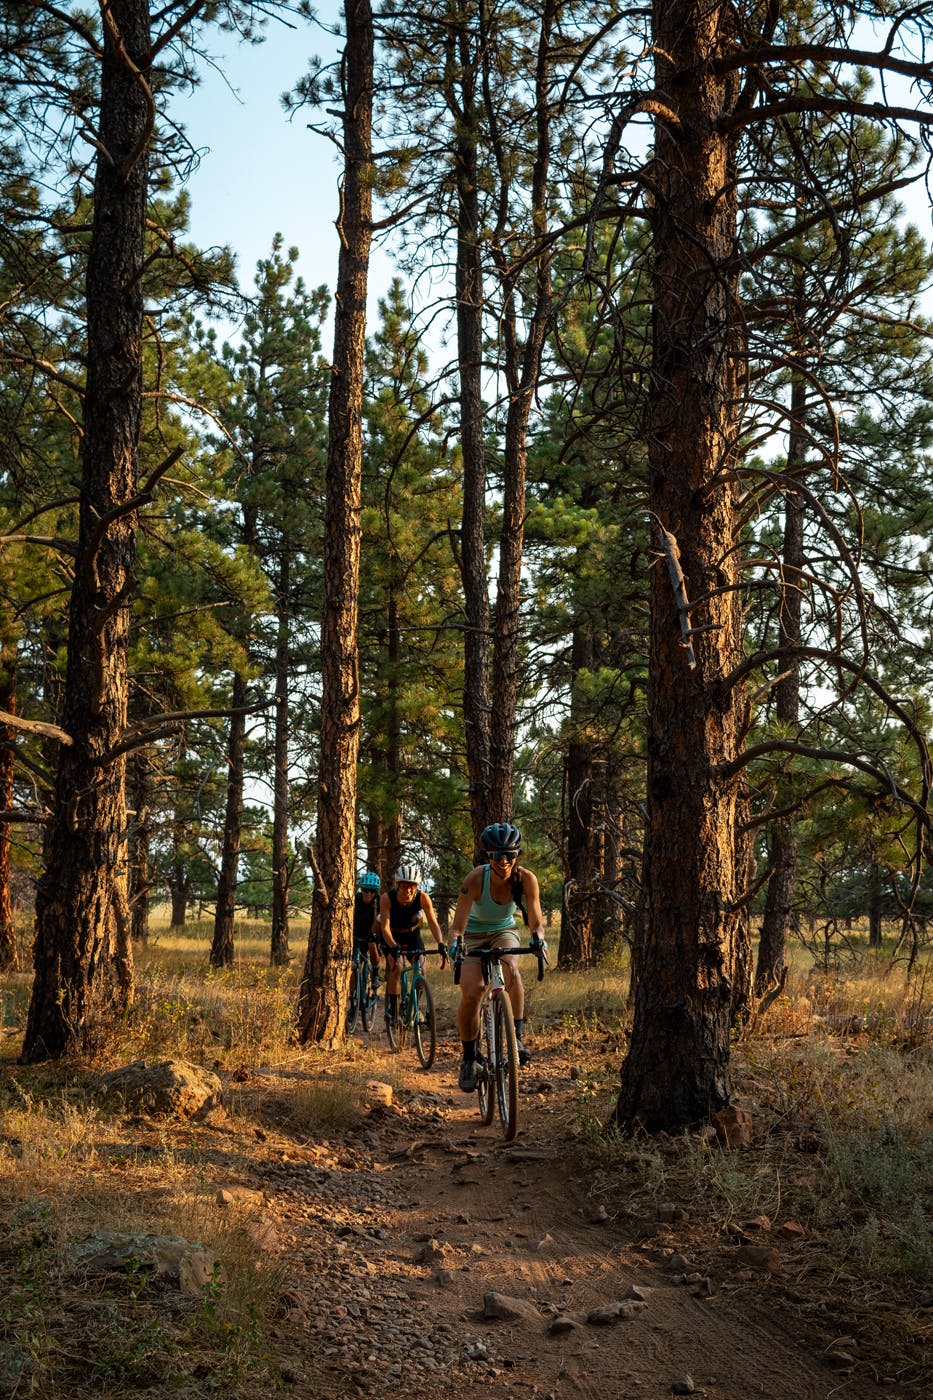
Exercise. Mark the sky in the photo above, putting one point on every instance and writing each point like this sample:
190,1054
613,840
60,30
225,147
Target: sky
261,173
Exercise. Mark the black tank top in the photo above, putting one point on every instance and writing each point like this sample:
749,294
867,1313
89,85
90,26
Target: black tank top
405,919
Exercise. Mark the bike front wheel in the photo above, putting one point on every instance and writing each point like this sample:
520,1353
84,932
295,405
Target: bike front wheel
394,1031
353,1006
506,1067
424,1027
487,1048
368,997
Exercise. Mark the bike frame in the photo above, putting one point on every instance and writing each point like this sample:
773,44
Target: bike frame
497,1034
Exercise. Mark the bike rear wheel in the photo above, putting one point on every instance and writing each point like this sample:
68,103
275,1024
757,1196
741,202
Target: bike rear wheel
368,997
353,1006
487,1051
506,1067
425,1030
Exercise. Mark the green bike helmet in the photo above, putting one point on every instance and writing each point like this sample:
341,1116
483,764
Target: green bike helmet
369,880
501,838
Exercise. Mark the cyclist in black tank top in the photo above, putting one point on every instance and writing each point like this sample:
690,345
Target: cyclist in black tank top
400,912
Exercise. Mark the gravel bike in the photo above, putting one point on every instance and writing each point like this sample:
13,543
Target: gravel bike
415,1008
364,991
497,1071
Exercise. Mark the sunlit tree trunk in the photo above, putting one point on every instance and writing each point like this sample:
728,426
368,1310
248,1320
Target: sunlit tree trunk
677,1069
279,952
140,881
222,945
9,953
782,884
325,983
74,899
522,374
578,911
470,301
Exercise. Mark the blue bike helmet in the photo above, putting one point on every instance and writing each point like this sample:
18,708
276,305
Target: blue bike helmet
501,838
369,880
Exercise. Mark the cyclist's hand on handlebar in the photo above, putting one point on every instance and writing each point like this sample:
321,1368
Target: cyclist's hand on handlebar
444,952
539,945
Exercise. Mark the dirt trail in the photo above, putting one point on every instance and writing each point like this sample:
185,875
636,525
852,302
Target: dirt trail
394,1235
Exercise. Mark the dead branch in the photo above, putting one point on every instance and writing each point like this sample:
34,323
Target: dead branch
35,726
671,552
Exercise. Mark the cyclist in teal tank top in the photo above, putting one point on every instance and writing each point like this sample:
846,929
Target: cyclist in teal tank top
485,917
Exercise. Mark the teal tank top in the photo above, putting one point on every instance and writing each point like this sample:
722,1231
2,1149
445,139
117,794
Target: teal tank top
487,916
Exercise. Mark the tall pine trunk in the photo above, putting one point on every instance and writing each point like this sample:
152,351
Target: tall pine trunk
222,945
9,953
75,896
279,952
677,1070
470,302
579,910
325,982
140,876
523,371
782,884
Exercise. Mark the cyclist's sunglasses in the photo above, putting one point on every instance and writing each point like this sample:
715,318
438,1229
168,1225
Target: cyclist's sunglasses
495,856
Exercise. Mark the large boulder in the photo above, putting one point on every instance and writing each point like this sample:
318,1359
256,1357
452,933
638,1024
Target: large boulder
170,1088
173,1262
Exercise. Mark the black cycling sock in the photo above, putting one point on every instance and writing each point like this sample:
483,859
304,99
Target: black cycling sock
392,1003
469,1049
519,1025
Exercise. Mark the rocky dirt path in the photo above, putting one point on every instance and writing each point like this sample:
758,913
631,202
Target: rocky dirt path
394,1238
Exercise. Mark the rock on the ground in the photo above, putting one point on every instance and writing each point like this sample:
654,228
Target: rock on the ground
164,1087
733,1126
179,1263
506,1309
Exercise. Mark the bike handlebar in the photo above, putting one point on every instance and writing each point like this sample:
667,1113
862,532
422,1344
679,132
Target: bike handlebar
496,955
395,950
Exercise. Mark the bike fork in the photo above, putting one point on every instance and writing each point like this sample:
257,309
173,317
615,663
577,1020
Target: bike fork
491,1032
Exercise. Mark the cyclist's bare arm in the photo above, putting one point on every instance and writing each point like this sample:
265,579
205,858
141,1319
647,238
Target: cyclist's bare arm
385,911
427,908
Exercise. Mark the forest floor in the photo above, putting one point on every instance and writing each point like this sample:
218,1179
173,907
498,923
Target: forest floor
622,1275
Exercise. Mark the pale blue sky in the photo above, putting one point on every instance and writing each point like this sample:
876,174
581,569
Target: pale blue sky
263,173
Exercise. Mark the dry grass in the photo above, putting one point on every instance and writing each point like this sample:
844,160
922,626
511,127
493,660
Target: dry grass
838,1077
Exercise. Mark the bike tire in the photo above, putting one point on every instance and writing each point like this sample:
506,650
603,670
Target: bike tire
368,998
393,1034
353,1005
425,1027
506,1067
487,1049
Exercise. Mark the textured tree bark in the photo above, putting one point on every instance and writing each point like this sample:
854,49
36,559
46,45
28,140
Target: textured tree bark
677,1069
122,945
578,910
222,944
179,889
74,900
782,885
279,951
9,952
469,291
874,908
523,372
140,880
325,982
393,737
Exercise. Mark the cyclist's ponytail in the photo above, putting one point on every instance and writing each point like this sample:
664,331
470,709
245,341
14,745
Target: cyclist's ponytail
518,894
